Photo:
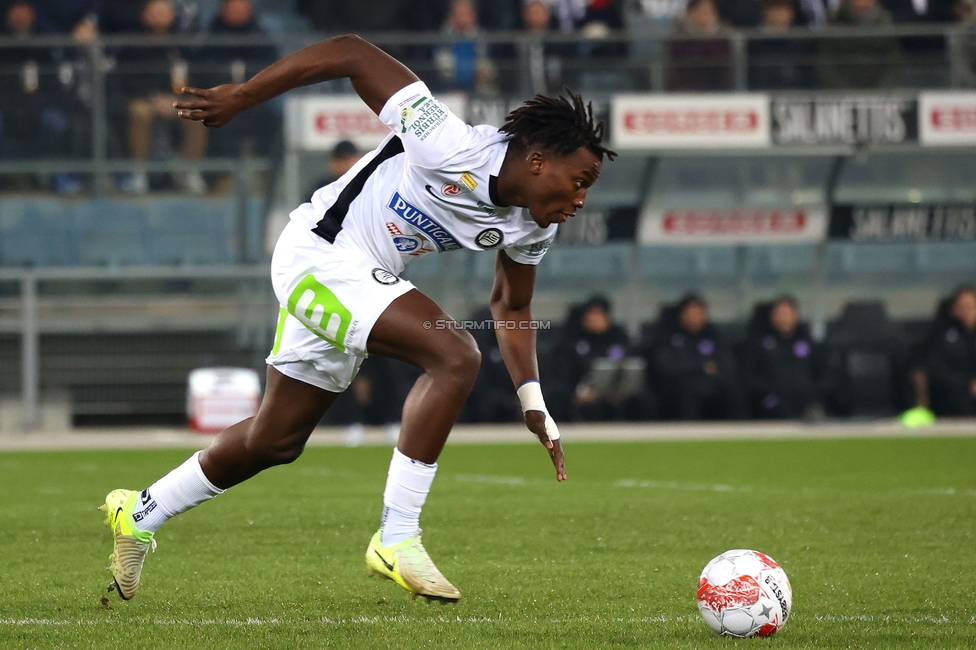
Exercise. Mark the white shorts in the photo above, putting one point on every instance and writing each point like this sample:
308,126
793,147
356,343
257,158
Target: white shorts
330,297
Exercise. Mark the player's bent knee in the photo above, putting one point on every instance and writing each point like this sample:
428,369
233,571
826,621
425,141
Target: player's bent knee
463,358
269,452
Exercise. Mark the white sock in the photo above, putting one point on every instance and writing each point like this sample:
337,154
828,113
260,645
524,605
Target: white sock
184,488
407,486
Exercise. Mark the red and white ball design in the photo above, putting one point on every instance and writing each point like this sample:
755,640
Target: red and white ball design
744,593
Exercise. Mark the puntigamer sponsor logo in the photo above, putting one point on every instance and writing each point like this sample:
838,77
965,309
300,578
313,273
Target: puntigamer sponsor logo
412,215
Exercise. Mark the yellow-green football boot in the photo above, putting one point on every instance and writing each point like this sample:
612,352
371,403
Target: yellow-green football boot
131,544
409,565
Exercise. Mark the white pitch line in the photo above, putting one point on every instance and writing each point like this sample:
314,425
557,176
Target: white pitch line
182,438
385,620
489,478
673,485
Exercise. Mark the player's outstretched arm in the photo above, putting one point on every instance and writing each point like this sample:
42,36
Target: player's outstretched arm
511,299
375,75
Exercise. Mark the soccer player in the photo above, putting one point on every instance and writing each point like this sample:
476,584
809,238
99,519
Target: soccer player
433,185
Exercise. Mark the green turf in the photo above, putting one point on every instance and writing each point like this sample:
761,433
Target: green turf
877,537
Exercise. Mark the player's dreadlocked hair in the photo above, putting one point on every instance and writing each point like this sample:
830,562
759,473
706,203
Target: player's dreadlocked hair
557,124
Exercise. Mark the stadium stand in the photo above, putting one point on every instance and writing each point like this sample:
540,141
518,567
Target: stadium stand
865,164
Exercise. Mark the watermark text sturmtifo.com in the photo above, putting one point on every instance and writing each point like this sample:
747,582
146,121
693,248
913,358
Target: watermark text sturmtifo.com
487,325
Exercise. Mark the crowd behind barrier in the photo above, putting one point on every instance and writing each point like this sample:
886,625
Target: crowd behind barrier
95,79
123,62
771,367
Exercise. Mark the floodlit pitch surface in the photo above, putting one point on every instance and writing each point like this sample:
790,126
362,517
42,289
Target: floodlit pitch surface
877,536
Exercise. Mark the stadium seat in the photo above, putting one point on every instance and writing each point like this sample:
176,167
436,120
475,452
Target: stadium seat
191,231
939,257
866,352
110,232
892,261
688,262
621,184
586,265
771,262
37,232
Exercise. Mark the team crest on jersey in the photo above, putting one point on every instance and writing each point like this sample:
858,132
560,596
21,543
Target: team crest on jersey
489,238
384,277
406,244
463,185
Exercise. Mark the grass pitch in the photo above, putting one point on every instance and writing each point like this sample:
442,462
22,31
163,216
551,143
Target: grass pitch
877,537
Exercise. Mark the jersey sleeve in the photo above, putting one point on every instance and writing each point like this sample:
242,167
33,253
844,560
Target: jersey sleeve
530,250
430,132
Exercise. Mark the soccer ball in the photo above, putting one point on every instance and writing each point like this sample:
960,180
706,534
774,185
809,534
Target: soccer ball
744,593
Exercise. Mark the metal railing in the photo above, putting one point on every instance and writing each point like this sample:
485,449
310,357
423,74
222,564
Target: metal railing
638,61
242,301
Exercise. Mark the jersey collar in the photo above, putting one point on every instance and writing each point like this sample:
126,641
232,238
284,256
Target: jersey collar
493,170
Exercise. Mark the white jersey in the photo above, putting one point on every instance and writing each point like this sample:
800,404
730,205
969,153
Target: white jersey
430,187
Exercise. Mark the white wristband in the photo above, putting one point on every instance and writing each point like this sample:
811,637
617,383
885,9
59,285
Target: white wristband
530,395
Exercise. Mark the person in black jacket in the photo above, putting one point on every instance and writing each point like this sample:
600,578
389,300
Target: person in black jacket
150,78
254,132
951,357
780,364
776,62
693,369
588,334
491,399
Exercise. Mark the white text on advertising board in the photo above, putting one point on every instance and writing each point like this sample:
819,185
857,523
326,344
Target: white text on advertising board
728,225
684,121
341,123
733,222
709,122
947,119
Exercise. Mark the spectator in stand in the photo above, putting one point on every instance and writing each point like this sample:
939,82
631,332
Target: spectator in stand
951,357
589,333
76,17
600,18
125,16
781,365
543,60
254,132
464,64
491,398
780,63
498,15
655,14
692,367
566,14
965,12
344,155
372,16
236,63
120,16
151,77
700,64
860,62
35,109
923,11
740,13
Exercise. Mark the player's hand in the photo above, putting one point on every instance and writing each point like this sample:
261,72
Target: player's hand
536,423
213,106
